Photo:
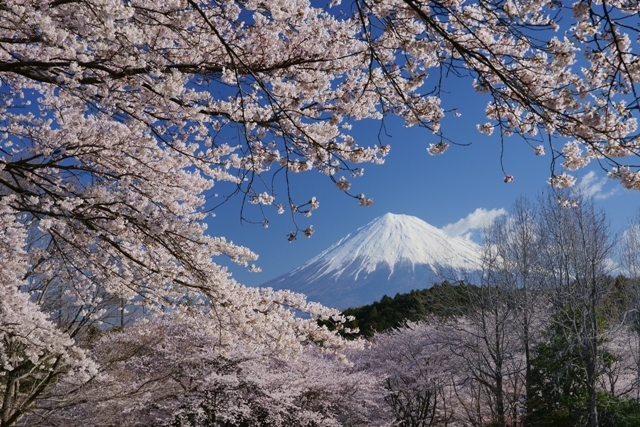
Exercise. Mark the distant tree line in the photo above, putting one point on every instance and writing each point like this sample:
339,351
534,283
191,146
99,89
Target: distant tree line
394,312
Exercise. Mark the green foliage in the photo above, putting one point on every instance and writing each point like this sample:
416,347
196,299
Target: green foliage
559,392
443,300
619,300
560,386
615,412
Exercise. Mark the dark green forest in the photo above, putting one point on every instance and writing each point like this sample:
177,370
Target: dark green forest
442,300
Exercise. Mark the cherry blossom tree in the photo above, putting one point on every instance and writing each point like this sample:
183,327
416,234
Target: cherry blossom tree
576,84
418,374
182,369
109,146
33,352
118,118
445,372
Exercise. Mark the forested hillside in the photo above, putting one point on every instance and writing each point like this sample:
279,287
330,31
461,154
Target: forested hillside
442,300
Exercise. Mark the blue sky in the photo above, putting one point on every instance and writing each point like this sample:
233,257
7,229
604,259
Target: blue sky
455,191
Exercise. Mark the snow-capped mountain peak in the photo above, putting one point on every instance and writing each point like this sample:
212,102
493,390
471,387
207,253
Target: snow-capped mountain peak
393,253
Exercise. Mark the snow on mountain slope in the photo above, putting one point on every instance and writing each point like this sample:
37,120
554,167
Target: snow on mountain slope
391,254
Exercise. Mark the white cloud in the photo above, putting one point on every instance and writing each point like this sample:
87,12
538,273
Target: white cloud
614,268
476,220
593,186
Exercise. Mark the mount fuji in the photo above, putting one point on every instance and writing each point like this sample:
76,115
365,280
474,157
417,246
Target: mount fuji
391,254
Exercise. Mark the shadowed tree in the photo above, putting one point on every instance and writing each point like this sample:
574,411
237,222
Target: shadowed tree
577,244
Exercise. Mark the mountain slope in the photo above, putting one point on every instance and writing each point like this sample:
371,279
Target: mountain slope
391,254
